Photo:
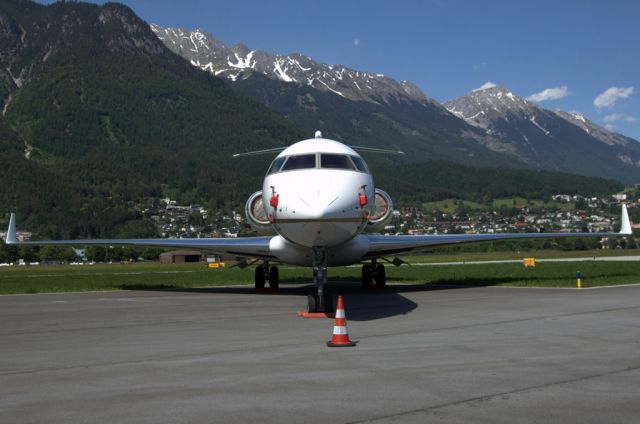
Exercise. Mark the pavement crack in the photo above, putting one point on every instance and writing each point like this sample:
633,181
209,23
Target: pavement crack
490,397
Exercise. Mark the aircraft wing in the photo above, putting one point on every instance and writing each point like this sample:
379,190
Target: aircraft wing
390,245
255,247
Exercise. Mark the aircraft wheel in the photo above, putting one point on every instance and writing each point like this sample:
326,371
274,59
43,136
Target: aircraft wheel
381,278
274,277
312,303
328,303
366,276
259,277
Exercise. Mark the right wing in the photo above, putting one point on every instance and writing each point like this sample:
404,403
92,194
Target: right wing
391,245
255,247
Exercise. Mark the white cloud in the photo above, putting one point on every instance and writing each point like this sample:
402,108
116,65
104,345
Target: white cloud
484,86
614,117
611,95
553,93
610,127
356,42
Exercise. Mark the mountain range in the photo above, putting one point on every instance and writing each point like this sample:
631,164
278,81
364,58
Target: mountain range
100,117
494,126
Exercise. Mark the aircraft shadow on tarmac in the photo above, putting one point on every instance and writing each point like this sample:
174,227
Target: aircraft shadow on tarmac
360,305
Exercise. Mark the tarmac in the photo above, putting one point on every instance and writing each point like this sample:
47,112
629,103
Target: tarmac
230,355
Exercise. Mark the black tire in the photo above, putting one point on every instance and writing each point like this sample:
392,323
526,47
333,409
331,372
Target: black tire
366,276
259,277
328,303
274,277
381,277
312,303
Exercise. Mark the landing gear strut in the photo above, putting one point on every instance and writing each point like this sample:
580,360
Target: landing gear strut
371,273
266,274
320,301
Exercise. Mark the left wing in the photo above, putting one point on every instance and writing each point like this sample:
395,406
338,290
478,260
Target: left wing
390,245
255,247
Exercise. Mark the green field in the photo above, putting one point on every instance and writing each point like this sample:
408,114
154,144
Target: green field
48,279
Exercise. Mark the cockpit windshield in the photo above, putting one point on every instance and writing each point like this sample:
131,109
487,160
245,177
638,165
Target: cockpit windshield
276,165
299,162
333,161
359,162
318,160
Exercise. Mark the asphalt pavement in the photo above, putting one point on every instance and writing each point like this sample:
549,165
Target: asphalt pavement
230,355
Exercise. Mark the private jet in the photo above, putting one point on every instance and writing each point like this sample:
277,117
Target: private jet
318,196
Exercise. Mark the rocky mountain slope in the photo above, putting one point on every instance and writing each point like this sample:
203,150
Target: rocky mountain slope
494,126
206,52
356,107
550,139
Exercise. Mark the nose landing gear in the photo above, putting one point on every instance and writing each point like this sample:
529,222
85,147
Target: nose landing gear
320,301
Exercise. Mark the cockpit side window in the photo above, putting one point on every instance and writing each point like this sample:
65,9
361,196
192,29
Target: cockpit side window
276,165
334,161
359,162
299,162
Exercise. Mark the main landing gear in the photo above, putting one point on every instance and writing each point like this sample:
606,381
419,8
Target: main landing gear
267,274
373,273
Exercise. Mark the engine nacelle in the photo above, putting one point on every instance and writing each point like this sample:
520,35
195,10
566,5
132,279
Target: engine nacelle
256,213
382,210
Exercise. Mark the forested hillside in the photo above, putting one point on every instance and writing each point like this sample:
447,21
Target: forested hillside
98,113
423,182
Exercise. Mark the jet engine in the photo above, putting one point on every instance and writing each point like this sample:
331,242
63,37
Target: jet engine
256,213
382,209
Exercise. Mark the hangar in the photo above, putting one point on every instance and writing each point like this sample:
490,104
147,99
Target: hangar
181,256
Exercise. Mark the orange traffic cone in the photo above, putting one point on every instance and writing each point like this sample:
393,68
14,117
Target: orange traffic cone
340,337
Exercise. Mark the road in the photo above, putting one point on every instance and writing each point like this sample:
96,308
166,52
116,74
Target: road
484,354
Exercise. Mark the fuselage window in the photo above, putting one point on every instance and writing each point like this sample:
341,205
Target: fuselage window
332,161
299,162
359,162
276,165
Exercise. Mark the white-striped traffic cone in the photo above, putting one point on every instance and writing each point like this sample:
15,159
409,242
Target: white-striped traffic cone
340,336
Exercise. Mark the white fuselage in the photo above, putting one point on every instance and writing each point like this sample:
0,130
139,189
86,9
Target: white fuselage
325,195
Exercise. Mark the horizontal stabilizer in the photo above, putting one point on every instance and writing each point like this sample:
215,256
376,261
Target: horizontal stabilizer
260,152
374,150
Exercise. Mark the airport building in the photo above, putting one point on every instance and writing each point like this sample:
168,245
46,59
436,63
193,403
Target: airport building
182,256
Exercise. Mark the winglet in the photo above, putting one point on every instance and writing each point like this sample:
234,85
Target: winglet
11,231
625,224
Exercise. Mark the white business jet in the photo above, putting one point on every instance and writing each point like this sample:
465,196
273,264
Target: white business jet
319,197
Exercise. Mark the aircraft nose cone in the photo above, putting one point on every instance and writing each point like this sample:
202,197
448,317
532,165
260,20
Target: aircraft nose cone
322,203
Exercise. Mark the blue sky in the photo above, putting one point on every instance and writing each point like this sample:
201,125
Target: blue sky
577,50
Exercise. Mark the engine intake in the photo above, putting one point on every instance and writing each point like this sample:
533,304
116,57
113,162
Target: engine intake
256,213
382,210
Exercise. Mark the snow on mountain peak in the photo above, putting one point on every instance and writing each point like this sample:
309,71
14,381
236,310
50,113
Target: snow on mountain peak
204,51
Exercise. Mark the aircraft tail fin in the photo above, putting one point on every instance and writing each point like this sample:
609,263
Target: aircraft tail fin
625,224
11,231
